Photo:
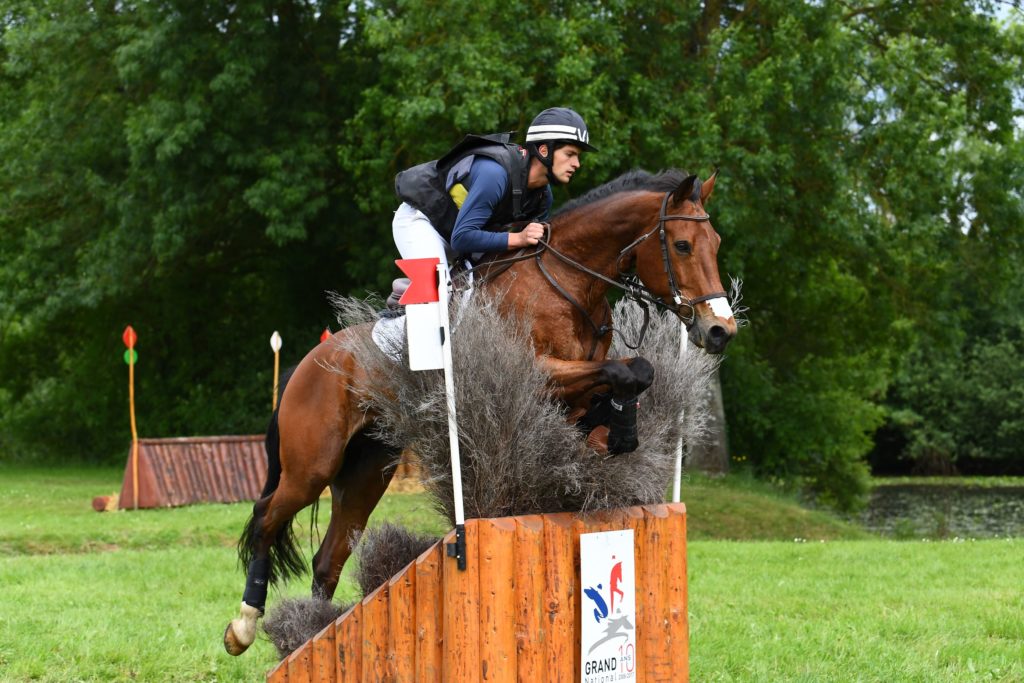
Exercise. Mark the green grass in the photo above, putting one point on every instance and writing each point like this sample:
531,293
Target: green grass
973,482
49,511
145,595
857,611
120,596
743,509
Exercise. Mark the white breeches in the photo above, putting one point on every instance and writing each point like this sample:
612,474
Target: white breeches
415,237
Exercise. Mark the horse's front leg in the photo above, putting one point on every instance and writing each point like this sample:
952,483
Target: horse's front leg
611,415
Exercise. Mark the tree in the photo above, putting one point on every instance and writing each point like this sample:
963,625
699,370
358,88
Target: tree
171,165
204,171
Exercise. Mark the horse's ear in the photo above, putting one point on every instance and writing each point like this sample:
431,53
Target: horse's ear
685,190
708,187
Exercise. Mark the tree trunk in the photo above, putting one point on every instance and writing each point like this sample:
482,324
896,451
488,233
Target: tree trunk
712,456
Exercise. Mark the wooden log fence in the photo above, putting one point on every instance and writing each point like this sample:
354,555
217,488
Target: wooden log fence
513,615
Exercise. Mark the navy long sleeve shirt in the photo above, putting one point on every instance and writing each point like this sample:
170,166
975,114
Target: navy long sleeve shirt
485,186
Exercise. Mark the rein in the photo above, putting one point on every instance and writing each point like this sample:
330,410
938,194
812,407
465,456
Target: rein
630,284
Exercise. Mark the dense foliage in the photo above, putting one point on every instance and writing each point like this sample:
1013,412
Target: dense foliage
204,171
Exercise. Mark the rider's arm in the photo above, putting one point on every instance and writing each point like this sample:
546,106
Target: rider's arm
532,233
485,185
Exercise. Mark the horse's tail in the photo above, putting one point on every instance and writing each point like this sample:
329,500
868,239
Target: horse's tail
285,558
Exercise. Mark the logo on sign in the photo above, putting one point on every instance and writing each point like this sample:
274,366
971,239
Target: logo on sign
608,638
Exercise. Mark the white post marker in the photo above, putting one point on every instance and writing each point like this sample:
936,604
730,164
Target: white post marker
683,343
275,345
429,339
459,550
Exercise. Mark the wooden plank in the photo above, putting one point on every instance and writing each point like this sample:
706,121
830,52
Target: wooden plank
429,615
375,637
632,518
300,665
348,639
462,612
531,628
279,674
653,634
675,564
561,575
324,654
497,600
402,631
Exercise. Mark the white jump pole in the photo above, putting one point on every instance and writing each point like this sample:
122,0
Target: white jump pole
459,549
677,484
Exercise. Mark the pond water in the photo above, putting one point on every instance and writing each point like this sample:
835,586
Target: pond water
945,511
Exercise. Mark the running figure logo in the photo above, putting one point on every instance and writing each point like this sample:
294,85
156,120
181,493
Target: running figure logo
615,626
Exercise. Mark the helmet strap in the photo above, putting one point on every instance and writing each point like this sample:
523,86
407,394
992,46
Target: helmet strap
548,161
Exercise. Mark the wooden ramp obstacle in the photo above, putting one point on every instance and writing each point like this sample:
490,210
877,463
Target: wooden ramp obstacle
186,470
208,469
513,615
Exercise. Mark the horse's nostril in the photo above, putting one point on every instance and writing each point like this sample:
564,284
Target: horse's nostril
717,333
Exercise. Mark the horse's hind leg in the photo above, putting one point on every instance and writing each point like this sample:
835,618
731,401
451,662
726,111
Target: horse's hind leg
273,515
274,553
365,474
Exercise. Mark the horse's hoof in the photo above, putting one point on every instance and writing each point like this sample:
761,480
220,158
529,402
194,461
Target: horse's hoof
598,440
233,646
240,633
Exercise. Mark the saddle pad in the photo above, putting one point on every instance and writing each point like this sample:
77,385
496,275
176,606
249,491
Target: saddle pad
389,332
389,336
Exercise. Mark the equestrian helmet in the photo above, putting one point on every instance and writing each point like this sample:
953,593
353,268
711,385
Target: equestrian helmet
559,125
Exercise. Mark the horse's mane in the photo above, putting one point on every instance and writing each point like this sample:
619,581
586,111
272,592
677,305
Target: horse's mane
630,181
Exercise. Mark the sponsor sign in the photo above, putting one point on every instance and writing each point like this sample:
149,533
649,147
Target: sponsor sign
608,607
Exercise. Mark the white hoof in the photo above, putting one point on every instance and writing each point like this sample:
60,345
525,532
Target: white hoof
241,632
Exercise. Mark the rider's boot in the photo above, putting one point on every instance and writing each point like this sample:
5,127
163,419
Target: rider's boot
398,287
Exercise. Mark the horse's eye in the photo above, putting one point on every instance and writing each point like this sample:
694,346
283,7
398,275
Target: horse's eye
683,247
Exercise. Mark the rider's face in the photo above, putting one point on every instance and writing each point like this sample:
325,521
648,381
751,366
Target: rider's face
565,162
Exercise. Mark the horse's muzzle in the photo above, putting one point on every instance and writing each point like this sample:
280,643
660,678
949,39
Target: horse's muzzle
712,334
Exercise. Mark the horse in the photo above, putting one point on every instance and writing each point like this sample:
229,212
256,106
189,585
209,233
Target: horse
647,234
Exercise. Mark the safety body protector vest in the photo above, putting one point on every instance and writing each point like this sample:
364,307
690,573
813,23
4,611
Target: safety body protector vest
426,187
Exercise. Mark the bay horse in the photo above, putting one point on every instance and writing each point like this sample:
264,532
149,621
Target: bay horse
648,234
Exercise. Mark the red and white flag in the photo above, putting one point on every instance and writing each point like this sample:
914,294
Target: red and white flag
422,313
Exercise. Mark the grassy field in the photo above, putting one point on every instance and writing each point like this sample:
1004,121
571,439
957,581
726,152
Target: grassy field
777,593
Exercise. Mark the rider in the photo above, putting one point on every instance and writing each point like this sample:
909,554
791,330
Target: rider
460,203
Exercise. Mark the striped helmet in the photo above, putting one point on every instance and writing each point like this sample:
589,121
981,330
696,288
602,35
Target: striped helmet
559,124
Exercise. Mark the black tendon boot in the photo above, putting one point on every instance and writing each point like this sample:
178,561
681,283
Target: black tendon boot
256,580
622,436
598,413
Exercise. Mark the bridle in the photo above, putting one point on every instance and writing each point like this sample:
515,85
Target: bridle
677,295
630,282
